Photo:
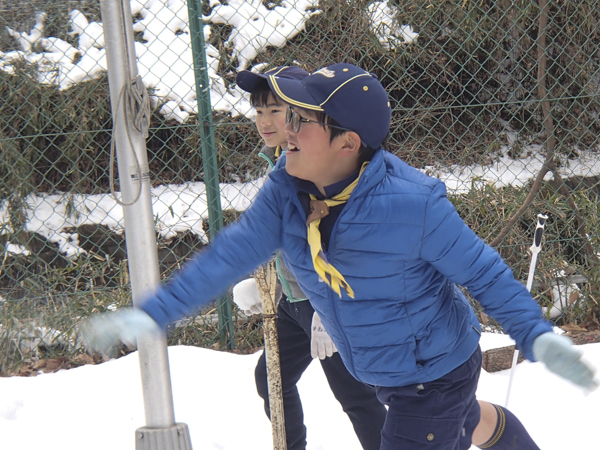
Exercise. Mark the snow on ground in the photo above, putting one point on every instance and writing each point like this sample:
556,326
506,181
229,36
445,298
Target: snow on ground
100,407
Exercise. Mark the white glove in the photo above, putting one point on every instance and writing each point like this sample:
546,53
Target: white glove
103,331
246,296
561,357
321,345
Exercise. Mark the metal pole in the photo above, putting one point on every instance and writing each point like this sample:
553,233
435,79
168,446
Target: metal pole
209,153
161,431
266,281
535,250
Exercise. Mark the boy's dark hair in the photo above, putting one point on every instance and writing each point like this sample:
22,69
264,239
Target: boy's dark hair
261,93
365,152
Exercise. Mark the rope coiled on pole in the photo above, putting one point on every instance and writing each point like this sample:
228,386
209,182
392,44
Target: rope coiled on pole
137,114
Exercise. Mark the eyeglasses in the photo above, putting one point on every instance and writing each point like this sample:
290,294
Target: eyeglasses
296,120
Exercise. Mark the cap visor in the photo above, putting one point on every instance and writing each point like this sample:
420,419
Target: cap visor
293,93
247,80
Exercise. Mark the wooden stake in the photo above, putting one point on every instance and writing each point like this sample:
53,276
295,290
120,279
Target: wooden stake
266,281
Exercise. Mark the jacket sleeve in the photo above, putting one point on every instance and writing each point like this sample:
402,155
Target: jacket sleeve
237,250
459,254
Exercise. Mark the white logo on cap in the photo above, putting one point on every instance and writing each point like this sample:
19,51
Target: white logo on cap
325,72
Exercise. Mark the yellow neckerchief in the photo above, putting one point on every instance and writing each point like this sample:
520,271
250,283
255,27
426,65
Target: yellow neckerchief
277,152
318,210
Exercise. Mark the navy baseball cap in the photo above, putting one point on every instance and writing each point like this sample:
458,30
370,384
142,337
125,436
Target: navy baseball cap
247,80
348,94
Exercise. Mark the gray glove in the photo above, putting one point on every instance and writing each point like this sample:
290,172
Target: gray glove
561,357
321,345
103,332
247,298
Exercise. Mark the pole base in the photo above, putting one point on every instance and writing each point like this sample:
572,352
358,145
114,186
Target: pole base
176,437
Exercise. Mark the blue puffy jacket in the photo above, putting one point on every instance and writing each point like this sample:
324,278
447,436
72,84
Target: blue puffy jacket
401,246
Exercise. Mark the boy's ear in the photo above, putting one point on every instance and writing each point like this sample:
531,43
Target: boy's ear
350,143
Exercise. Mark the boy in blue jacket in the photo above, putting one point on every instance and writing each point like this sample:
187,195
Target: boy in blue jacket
379,250
300,333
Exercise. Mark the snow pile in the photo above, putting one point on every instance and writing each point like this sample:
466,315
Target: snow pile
59,63
257,27
165,62
564,293
177,208
165,59
506,171
389,33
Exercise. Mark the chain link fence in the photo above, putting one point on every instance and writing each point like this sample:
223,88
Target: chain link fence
499,99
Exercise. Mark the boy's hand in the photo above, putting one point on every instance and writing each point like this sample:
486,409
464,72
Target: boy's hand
321,345
247,298
561,357
103,331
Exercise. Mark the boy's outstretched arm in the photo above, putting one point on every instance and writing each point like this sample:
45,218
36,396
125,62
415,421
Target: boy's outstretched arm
458,253
236,251
464,258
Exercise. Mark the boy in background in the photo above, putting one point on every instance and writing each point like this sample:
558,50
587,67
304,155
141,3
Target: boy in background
300,333
379,250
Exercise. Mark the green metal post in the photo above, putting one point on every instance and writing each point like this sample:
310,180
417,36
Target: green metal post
209,154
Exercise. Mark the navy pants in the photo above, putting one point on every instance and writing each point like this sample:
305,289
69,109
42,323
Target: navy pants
438,415
358,400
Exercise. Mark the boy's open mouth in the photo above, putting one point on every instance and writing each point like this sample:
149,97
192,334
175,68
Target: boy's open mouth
293,149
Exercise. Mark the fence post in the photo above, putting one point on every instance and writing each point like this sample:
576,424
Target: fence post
209,153
161,431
